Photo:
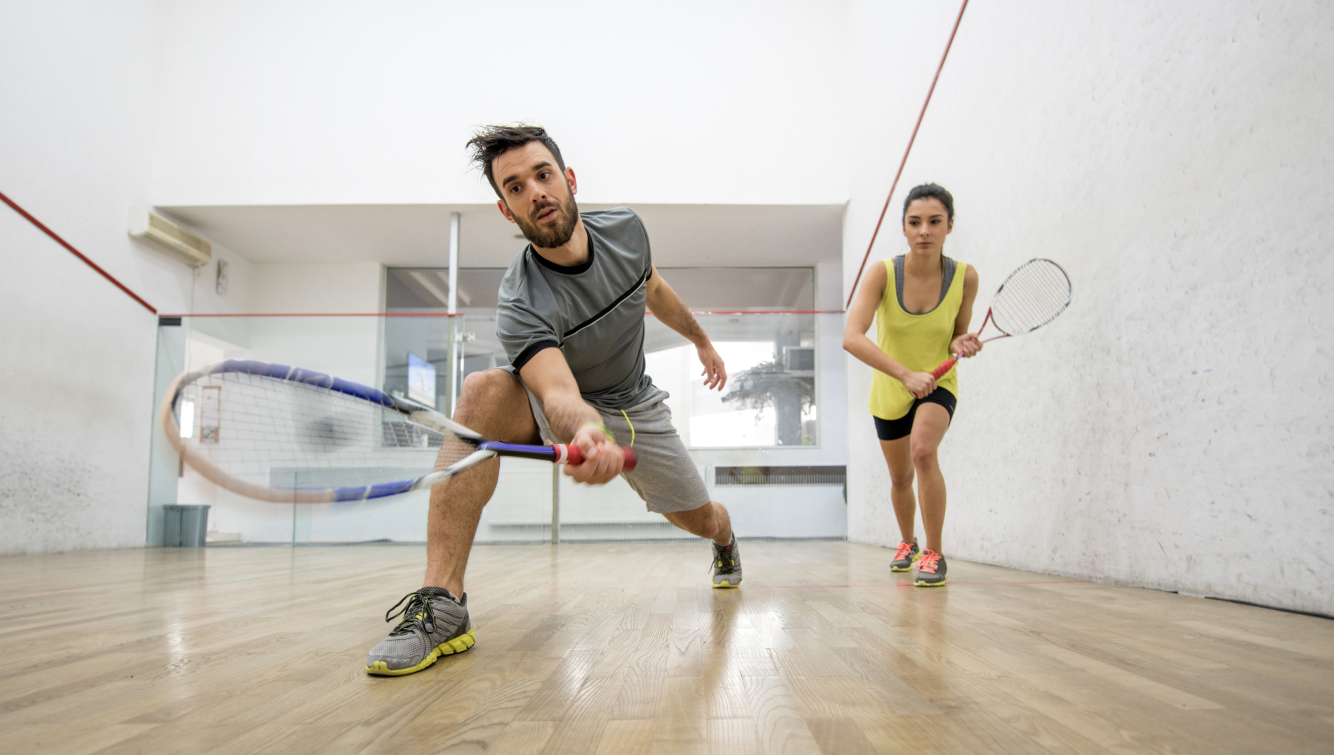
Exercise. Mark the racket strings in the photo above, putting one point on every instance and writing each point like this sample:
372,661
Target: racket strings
1031,297
281,434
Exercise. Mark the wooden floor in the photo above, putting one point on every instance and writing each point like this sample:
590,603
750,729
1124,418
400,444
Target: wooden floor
624,649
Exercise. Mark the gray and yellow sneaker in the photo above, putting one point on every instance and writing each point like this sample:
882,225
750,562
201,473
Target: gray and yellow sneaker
727,564
906,555
435,623
931,570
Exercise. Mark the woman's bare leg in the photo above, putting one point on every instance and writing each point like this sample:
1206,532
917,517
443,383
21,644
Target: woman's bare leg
899,458
928,430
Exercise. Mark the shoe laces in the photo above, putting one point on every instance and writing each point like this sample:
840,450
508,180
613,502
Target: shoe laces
904,551
726,563
417,613
930,559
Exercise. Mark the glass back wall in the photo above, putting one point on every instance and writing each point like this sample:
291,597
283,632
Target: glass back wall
770,399
782,410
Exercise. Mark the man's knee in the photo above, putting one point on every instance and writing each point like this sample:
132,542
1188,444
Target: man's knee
901,480
702,521
708,526
494,403
488,385
488,394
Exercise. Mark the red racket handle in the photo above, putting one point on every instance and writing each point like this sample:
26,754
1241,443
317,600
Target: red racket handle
944,367
570,454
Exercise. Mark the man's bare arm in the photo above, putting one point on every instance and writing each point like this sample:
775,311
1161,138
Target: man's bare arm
571,418
668,307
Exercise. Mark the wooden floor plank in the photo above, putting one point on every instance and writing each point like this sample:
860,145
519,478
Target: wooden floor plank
626,737
625,648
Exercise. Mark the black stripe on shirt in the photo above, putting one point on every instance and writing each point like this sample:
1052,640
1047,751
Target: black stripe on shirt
590,321
527,354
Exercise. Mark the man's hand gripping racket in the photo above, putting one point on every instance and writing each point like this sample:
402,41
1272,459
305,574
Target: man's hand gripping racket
1030,297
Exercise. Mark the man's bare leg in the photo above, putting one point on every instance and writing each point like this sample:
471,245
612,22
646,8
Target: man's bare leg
494,404
710,520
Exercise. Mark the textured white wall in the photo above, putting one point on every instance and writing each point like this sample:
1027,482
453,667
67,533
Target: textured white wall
76,385
369,103
1173,429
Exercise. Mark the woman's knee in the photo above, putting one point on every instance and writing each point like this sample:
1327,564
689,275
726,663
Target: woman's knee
924,456
904,479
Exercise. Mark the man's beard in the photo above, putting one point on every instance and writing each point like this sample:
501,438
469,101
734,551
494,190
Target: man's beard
551,236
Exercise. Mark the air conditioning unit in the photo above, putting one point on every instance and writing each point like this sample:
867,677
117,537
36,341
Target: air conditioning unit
155,230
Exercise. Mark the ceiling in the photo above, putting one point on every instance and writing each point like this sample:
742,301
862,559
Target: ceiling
418,235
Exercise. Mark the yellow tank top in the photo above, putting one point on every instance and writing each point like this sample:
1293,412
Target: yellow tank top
918,342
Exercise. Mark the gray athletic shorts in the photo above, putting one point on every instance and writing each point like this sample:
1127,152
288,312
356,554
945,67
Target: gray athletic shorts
665,477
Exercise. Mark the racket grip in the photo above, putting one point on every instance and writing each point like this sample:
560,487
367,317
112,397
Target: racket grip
570,454
944,367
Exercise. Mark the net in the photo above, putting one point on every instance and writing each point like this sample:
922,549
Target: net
1031,297
297,436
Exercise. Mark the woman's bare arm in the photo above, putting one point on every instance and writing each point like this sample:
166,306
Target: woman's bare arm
855,342
966,344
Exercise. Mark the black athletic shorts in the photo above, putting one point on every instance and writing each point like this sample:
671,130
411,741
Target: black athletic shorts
893,429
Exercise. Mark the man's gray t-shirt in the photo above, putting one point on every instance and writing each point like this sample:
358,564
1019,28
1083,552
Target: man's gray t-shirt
593,312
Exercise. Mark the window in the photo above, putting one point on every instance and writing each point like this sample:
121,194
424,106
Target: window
758,319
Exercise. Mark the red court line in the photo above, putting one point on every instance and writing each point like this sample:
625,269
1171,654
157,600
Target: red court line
42,226
767,312
648,577
333,314
947,584
458,314
904,162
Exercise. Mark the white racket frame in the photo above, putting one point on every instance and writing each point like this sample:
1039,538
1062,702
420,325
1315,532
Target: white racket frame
190,453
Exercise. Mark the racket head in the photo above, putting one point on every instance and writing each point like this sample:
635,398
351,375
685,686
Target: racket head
279,434
1032,296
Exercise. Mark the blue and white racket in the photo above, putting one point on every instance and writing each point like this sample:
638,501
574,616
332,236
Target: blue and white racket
286,435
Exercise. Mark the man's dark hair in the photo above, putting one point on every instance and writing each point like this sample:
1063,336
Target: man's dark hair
929,191
490,142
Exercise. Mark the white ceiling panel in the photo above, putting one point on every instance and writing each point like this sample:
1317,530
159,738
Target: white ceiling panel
418,235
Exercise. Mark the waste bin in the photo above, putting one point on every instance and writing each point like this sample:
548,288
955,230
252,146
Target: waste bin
185,526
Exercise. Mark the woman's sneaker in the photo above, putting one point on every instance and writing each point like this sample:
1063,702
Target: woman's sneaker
435,623
727,564
931,569
906,555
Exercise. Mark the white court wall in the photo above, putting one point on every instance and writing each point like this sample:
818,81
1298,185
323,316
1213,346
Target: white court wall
1175,429
78,98
371,103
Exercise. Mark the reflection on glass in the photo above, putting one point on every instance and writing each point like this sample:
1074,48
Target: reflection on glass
421,380
769,399
455,348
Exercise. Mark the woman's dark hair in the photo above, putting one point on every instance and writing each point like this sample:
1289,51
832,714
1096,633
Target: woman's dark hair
929,191
491,142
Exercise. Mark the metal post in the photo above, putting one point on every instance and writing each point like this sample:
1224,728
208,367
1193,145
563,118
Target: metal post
453,382
555,504
453,262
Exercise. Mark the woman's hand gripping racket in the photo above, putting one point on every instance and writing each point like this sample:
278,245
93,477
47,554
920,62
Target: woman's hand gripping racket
285,435
1031,297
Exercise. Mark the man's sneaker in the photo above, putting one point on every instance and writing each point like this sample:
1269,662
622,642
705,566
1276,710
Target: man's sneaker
931,569
727,564
435,623
905,556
